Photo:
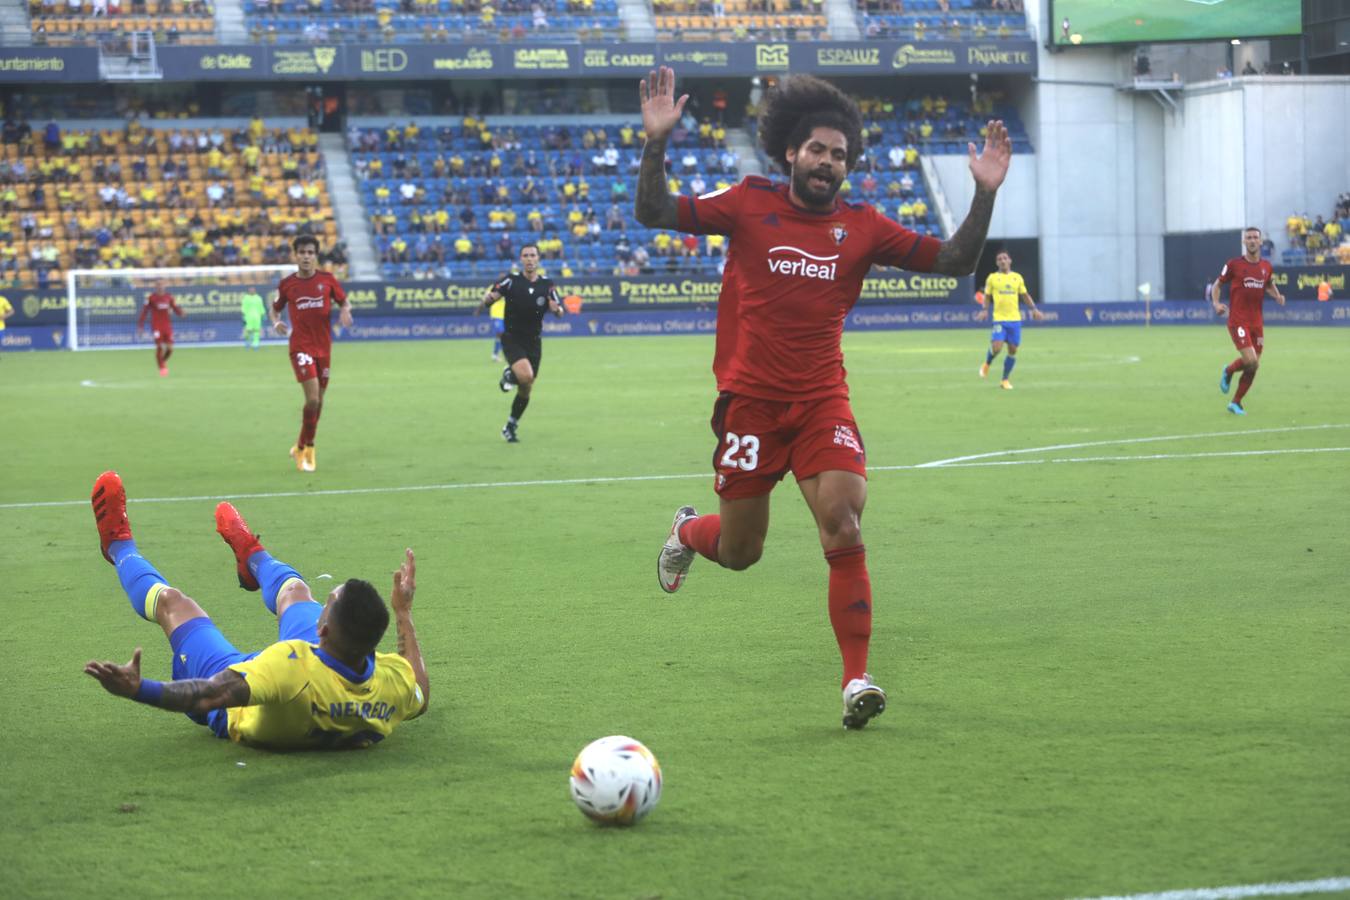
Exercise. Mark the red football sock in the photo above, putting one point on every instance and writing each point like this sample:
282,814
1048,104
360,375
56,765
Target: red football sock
314,426
306,429
1234,366
1244,383
159,357
702,534
851,607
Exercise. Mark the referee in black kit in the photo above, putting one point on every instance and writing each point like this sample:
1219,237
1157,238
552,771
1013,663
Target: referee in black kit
528,296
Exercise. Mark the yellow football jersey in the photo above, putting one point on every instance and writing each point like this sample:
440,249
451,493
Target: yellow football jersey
498,309
302,698
4,308
1004,291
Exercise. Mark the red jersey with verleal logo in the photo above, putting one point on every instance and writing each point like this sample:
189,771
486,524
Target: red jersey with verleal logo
310,301
1247,283
158,306
791,277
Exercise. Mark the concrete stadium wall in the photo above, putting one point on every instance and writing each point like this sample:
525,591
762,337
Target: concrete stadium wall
1015,213
1099,166
1252,150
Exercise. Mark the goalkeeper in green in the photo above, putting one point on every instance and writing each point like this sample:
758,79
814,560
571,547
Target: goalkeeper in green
253,310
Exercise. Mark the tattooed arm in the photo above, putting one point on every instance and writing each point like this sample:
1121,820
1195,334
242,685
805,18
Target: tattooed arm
405,584
961,252
654,205
194,695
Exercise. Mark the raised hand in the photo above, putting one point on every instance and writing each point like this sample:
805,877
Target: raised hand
405,583
120,680
991,167
660,110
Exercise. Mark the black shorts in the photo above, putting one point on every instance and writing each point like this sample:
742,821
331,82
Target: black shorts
516,348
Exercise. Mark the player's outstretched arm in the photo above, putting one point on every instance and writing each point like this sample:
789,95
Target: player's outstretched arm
194,695
1031,304
1273,291
405,584
1215,293
654,205
959,254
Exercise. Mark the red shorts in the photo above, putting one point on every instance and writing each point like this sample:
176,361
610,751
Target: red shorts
760,441
163,335
1247,336
310,365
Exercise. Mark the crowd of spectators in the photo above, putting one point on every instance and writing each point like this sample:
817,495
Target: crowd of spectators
1320,240
942,19
463,200
111,23
391,21
138,197
738,20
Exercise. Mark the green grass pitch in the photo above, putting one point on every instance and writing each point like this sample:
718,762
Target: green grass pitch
1141,21
1116,665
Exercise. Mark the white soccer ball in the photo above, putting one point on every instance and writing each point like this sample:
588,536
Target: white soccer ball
616,780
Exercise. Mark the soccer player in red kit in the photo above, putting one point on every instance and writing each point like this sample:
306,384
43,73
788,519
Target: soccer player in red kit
309,295
1249,279
158,306
796,265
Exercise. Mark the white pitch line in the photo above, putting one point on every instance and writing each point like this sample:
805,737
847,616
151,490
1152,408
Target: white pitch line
1088,459
1236,892
343,492
620,479
1123,441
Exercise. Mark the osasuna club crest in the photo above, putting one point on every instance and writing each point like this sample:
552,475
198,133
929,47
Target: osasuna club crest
839,233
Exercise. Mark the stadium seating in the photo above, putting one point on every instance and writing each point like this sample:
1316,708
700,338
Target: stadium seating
409,21
935,124
450,202
738,20
137,197
571,191
941,19
109,22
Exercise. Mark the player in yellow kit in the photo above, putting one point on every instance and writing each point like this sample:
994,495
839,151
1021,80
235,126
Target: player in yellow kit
323,685
1005,291
497,312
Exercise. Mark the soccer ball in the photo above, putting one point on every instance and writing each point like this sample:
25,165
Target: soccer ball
616,780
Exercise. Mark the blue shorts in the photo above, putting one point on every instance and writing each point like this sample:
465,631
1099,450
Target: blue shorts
200,650
499,327
1008,332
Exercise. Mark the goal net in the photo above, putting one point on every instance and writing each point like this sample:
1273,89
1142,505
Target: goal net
104,305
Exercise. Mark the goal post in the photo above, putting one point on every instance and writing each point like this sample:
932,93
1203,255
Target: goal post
103,305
